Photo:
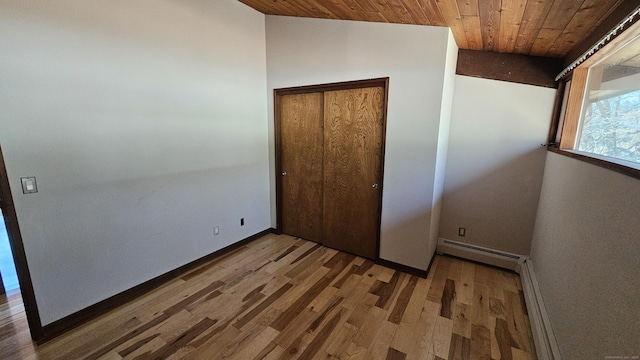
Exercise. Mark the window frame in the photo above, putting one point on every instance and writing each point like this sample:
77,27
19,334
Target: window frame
569,104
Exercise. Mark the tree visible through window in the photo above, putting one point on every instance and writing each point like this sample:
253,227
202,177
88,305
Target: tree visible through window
603,119
611,126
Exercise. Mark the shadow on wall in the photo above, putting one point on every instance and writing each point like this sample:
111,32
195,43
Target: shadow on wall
397,240
496,205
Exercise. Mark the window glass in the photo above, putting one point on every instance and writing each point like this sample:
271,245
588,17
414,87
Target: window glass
610,123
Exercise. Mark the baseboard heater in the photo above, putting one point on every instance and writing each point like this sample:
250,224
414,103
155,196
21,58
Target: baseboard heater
478,253
546,344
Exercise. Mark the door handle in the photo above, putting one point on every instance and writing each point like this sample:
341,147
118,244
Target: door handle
284,173
375,185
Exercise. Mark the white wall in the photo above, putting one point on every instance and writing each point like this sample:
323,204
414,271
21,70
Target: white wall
495,162
443,140
145,125
586,253
316,51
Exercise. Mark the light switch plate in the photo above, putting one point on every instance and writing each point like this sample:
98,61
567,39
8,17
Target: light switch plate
29,185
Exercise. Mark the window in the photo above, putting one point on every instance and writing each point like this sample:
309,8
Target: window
601,112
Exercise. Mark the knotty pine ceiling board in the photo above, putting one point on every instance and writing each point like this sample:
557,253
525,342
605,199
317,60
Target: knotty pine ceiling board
533,27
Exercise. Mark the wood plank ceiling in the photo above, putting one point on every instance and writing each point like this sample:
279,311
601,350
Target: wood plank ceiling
533,27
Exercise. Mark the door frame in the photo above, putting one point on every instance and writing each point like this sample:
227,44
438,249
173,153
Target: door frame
19,256
347,85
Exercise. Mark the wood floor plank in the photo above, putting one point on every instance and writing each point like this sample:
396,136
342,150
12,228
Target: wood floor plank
211,342
462,320
426,324
262,306
448,299
179,342
464,288
403,300
343,277
460,348
439,280
384,273
323,298
495,347
497,308
442,336
505,339
517,320
251,346
416,302
318,343
480,307
522,355
297,306
270,352
280,297
404,341
382,340
368,328
146,348
480,343
358,293
340,342
353,352
299,289
386,291
393,354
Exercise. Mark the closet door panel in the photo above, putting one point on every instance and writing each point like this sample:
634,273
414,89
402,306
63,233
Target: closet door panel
301,125
353,136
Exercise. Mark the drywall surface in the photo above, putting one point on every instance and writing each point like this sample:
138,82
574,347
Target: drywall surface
145,125
448,88
586,251
317,51
495,162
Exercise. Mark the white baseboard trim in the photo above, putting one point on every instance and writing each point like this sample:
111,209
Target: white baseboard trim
481,254
545,341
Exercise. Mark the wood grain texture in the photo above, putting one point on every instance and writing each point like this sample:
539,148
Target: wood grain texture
353,145
522,69
236,307
614,15
510,21
301,127
574,108
490,24
504,26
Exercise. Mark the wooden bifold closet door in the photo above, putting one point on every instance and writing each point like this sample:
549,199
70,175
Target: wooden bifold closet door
330,148
301,160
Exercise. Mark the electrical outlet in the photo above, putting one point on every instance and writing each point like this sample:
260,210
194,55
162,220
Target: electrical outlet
462,231
242,222
216,230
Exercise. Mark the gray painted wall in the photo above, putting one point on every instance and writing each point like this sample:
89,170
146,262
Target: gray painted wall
145,124
495,162
586,256
317,51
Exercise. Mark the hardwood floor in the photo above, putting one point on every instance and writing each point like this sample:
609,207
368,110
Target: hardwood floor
284,298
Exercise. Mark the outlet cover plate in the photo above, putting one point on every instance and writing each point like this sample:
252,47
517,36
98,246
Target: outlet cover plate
29,185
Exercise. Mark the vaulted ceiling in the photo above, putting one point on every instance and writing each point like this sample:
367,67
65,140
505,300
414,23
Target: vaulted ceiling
534,27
